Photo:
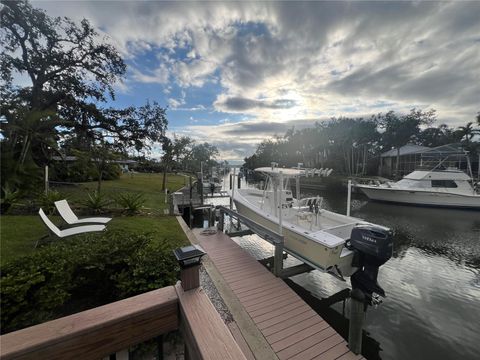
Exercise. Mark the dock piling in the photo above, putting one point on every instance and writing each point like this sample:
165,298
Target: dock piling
357,315
221,221
278,259
349,197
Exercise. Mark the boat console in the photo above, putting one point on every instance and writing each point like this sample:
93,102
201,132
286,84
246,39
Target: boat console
372,247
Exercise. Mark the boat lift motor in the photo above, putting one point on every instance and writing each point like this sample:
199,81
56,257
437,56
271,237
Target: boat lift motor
372,246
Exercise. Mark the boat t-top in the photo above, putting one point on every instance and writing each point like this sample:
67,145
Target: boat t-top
340,244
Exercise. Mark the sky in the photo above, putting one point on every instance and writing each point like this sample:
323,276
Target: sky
236,73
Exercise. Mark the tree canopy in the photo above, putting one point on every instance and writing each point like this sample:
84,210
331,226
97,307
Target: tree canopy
72,72
62,59
352,145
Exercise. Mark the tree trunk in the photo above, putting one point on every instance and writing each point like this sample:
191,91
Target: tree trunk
364,159
164,182
23,153
99,183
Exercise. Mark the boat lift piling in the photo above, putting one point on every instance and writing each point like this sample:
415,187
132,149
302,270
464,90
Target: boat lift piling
297,182
357,315
278,259
349,196
232,187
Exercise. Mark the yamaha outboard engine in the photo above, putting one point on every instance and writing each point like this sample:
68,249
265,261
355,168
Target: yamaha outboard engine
372,246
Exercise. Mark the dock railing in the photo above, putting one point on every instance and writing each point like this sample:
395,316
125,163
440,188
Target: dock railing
112,328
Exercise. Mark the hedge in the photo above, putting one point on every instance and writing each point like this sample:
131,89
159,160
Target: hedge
73,275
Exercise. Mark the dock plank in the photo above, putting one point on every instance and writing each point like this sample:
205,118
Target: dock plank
285,333
319,348
350,356
291,328
285,316
273,286
274,305
334,353
272,313
298,336
305,344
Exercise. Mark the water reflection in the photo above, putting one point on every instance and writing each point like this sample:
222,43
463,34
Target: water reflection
432,309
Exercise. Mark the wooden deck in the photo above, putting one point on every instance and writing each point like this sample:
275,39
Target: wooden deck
289,325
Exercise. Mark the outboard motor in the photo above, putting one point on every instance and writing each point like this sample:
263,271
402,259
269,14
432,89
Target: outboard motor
372,246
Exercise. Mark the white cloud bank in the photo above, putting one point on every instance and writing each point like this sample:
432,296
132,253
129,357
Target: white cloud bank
277,62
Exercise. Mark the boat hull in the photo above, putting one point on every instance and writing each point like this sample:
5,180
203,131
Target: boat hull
317,254
421,198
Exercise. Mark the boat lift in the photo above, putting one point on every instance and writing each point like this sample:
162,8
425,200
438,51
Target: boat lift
273,238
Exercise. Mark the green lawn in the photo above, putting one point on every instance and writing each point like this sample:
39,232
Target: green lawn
148,184
18,234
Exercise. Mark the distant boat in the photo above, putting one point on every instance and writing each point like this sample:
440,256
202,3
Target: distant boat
450,188
340,244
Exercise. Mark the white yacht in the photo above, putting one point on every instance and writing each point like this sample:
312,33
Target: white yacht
440,188
321,238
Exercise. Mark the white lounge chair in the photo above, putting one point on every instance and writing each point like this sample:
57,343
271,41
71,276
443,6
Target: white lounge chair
69,216
70,231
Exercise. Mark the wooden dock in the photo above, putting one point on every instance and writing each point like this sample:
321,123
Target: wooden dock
288,325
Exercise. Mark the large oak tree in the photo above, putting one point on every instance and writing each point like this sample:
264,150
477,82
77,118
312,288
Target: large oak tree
72,70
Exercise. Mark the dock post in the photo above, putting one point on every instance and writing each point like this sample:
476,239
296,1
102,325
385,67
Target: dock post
211,213
278,259
190,218
232,186
221,221
349,197
357,315
171,203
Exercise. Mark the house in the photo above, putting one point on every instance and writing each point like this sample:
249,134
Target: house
415,157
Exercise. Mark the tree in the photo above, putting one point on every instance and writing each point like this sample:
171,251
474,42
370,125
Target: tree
467,132
72,71
62,60
400,129
436,136
173,150
66,64
203,153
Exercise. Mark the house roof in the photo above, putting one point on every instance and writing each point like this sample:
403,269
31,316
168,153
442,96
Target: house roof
406,150
444,150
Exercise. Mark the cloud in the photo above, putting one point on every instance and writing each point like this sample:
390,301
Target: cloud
174,103
237,140
240,104
159,76
276,62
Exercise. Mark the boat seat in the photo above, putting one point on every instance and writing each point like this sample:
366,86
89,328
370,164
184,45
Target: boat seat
304,215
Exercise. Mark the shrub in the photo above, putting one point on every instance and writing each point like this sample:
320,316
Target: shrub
96,201
82,170
47,201
67,277
9,198
131,203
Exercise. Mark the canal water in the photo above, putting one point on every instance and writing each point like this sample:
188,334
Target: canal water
432,309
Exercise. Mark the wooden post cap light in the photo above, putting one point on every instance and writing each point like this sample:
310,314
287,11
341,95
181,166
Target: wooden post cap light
189,255
189,258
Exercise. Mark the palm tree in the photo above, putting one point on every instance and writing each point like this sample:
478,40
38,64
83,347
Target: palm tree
468,132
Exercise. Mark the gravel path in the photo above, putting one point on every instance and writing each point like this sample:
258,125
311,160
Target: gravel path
207,284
